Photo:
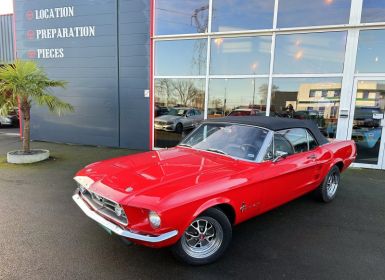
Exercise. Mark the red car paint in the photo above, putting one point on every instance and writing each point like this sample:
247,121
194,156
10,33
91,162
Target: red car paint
180,183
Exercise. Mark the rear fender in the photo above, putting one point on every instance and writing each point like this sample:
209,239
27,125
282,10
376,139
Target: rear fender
335,162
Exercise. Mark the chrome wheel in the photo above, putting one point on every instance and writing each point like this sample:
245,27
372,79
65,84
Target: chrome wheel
332,183
202,238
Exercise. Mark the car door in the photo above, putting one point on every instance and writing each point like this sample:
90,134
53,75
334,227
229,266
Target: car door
186,119
190,118
288,176
198,117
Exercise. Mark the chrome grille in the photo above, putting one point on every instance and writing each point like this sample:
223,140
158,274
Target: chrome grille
161,122
105,206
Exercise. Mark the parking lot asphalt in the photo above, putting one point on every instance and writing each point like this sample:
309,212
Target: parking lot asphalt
43,235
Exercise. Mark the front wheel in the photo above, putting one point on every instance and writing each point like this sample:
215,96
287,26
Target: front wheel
326,192
179,128
205,240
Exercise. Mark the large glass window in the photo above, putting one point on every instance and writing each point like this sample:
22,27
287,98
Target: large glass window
371,52
181,17
298,13
180,57
310,53
179,105
291,98
373,11
243,55
237,97
232,15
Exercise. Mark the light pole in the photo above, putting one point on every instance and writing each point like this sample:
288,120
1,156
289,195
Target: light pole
225,101
254,68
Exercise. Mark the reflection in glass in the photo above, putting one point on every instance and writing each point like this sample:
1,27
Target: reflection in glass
243,55
238,97
302,98
310,53
232,15
178,109
373,11
181,57
297,13
181,17
368,113
371,52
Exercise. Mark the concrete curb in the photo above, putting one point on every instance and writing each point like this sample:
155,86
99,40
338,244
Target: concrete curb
17,157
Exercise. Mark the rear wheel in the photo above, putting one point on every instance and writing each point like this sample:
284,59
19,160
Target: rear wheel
326,192
205,239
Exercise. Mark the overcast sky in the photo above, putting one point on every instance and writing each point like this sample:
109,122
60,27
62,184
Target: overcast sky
6,7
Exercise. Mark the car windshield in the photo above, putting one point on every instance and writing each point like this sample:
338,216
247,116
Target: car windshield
235,140
177,112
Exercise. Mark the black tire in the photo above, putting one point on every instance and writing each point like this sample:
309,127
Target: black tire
213,249
179,128
327,191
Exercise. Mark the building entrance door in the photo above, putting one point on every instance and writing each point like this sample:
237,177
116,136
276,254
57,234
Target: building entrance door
366,123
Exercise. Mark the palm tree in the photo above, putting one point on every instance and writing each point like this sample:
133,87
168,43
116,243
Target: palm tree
25,84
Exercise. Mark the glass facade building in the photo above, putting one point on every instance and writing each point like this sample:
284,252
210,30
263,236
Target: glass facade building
321,60
171,64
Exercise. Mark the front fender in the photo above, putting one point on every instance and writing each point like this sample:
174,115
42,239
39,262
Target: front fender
211,203
204,206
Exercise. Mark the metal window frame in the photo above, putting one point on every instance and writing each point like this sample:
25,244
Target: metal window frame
348,75
381,153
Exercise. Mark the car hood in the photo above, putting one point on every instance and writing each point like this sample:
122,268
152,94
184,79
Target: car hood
168,118
146,179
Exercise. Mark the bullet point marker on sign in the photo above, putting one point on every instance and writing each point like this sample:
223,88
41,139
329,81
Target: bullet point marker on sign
29,15
31,54
30,35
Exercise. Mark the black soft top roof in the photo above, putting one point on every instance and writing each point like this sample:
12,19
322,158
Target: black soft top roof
275,124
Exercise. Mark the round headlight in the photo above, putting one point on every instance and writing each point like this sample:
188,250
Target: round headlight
154,219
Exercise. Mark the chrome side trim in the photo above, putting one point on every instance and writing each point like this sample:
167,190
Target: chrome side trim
117,230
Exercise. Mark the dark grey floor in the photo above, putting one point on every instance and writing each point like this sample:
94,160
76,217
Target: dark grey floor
44,236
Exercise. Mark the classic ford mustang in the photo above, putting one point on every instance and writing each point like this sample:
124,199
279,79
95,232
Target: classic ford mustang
226,171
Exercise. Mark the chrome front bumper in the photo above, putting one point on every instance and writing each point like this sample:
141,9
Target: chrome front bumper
116,229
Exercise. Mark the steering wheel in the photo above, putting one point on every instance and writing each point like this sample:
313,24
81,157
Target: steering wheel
246,151
249,150
247,147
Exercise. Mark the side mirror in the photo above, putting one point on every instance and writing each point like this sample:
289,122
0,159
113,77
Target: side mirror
280,155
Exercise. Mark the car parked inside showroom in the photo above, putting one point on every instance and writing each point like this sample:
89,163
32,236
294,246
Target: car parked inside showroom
250,112
366,129
160,111
178,119
226,171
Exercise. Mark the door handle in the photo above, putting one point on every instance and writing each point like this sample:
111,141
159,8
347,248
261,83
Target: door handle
313,156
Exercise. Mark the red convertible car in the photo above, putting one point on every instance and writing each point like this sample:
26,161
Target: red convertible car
226,171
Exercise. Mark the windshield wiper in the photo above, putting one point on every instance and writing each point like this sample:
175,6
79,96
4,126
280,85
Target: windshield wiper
217,151
185,145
